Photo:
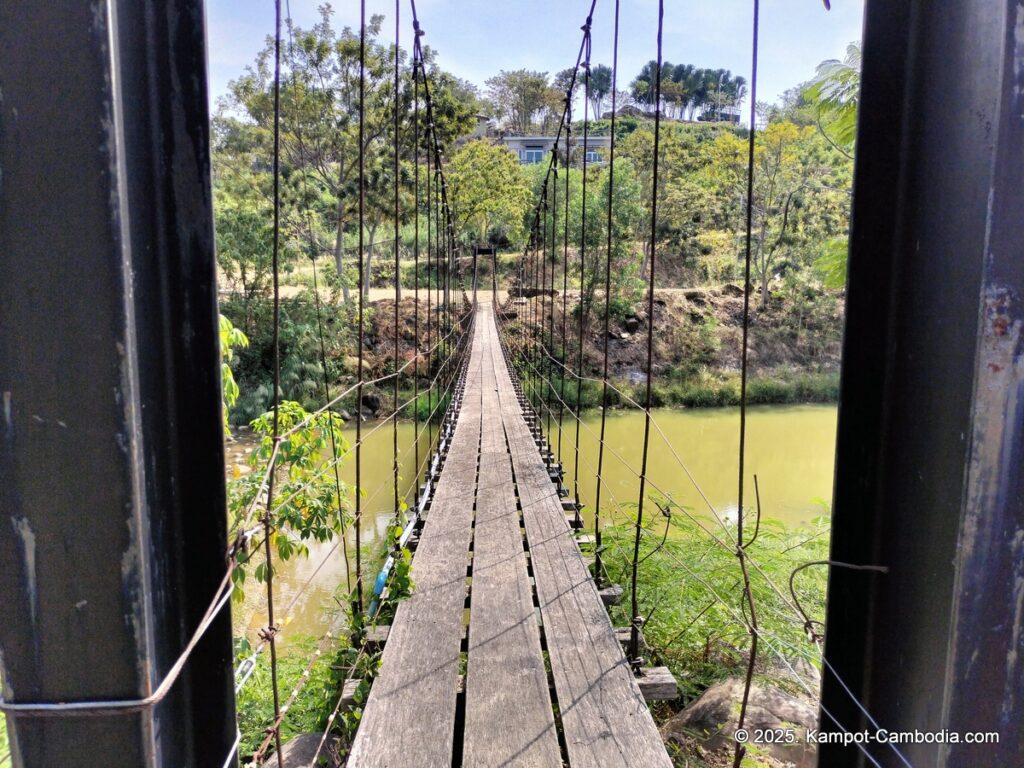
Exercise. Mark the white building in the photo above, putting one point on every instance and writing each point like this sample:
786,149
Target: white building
537,149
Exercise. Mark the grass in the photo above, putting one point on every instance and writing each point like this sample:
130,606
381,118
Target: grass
703,391
777,389
699,633
311,709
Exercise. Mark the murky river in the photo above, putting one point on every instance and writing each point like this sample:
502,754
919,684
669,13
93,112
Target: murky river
789,448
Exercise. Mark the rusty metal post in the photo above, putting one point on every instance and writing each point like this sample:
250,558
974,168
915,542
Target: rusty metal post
930,463
112,511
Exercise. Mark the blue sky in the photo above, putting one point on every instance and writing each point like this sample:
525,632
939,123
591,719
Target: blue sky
476,38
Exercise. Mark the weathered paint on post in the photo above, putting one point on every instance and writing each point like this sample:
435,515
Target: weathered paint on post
931,429
112,518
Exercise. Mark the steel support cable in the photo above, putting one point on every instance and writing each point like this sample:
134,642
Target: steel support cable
502,328
398,267
740,619
654,486
430,248
322,645
416,259
635,624
357,605
221,598
244,670
362,654
259,755
550,299
654,423
384,421
564,125
607,296
583,258
534,282
539,275
275,258
795,619
361,441
682,464
316,295
565,267
752,626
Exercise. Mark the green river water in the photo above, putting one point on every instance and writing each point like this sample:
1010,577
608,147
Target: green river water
790,449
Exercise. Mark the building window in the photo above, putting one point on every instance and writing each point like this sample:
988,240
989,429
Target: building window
531,155
593,156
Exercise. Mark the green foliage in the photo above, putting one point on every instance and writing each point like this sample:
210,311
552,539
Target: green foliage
314,704
835,92
689,91
309,502
400,579
696,626
703,391
831,264
320,142
517,97
430,405
800,193
489,190
302,376
230,339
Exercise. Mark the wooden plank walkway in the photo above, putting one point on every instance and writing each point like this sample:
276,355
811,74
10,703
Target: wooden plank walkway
508,716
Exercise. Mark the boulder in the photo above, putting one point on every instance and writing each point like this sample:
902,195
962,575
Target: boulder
696,295
300,751
711,720
733,290
632,324
371,404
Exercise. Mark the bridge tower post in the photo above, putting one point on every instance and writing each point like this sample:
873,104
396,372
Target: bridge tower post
112,510
930,463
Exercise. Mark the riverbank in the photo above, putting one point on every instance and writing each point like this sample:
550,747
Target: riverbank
707,390
794,346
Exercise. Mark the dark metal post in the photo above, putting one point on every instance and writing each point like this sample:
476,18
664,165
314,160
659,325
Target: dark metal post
930,464
112,517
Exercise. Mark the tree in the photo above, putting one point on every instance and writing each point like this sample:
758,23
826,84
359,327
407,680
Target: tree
643,86
489,189
321,113
561,82
321,106
835,92
518,97
787,169
600,87
244,214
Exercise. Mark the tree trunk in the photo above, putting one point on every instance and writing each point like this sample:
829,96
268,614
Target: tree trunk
398,272
339,245
367,272
339,262
646,261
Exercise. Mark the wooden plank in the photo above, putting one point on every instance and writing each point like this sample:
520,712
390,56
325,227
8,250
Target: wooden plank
604,717
658,684
409,719
509,719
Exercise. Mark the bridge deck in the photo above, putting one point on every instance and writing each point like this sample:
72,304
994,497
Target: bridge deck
497,518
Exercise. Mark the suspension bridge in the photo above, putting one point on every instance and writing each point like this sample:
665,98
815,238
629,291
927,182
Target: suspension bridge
117,574
497,541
